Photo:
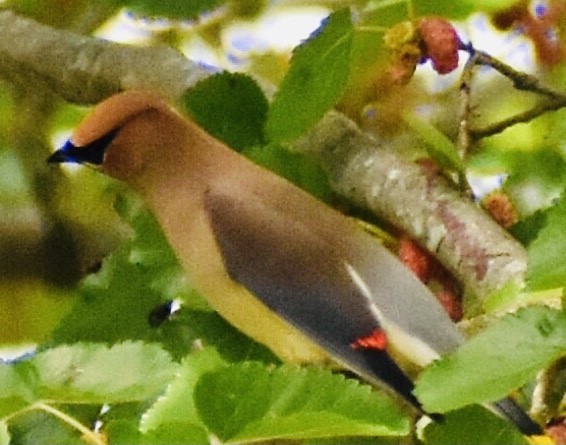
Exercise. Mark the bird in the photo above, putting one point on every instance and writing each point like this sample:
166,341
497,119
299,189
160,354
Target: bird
279,265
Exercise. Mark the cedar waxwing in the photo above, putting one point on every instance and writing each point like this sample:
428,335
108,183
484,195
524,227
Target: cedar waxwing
282,267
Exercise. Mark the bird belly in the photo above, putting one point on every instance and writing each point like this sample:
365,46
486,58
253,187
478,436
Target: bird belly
198,253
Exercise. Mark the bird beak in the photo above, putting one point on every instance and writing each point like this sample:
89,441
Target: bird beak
92,153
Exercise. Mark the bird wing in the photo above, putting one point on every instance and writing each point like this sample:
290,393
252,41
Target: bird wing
307,280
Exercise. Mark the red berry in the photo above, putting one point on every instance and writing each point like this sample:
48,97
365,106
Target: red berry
415,258
501,208
451,303
440,43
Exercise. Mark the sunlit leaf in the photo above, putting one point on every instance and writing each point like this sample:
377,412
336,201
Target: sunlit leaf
4,433
547,261
93,373
499,360
18,387
250,402
315,81
177,403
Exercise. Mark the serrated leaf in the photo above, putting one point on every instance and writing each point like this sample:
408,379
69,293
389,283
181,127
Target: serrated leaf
547,253
231,107
41,428
94,373
491,365
461,428
315,81
173,9
250,402
122,432
177,403
17,387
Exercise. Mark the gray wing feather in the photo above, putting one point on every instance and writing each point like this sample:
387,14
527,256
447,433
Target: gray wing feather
307,277
303,279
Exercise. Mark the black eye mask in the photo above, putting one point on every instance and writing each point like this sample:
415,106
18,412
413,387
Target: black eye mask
92,153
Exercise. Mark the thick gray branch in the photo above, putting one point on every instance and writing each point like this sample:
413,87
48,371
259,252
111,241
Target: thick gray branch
482,255
85,70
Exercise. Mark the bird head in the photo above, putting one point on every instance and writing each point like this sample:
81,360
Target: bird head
119,135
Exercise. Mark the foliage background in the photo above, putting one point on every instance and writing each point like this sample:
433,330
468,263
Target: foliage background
85,272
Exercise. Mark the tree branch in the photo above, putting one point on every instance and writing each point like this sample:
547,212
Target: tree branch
555,99
482,255
85,70
467,241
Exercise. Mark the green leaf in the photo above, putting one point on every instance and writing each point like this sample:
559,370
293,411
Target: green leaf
295,167
177,404
41,428
439,146
79,374
4,433
173,9
94,373
536,177
499,360
180,432
315,81
17,387
231,107
547,261
472,425
459,9
122,432
251,402
444,8
527,229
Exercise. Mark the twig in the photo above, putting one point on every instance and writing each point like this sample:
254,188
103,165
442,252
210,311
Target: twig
89,436
521,81
464,139
526,116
